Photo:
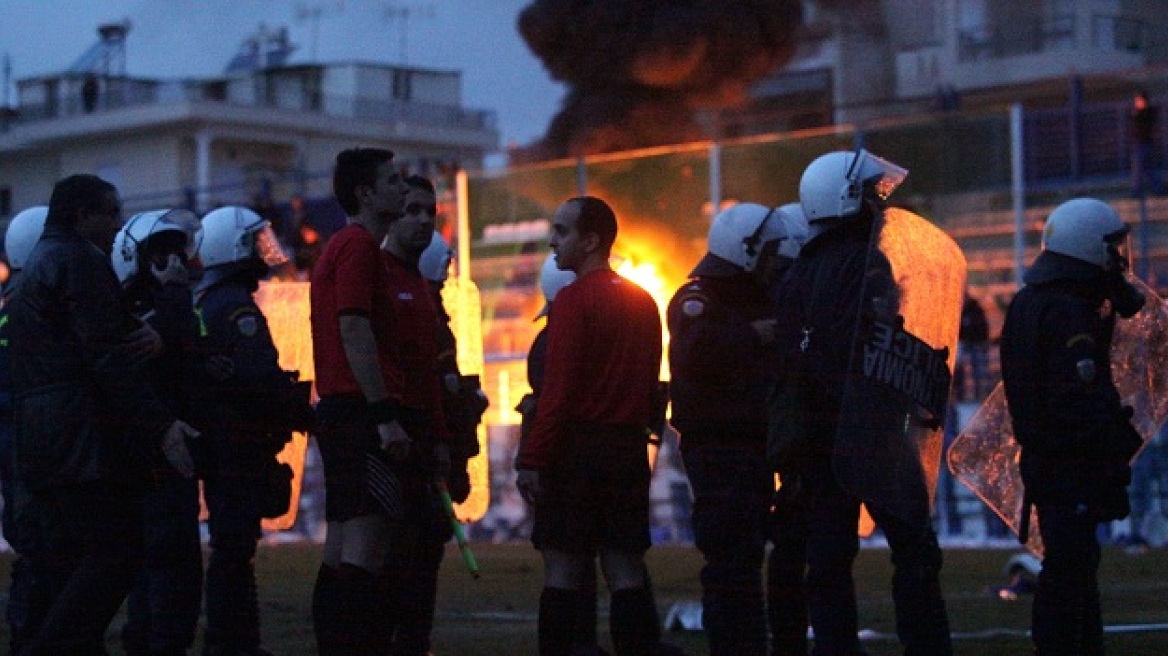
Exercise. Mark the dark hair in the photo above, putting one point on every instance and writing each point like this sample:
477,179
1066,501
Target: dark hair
76,194
357,167
596,217
416,181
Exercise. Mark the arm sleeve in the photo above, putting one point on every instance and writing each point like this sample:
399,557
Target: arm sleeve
565,349
103,326
356,270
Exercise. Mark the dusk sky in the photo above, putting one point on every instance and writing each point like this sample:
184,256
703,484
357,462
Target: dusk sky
197,38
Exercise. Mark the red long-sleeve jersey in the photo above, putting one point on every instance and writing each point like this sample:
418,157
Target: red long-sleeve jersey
603,361
415,340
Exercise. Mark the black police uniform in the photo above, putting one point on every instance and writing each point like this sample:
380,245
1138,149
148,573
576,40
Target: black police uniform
256,408
722,372
17,531
1076,440
820,300
163,607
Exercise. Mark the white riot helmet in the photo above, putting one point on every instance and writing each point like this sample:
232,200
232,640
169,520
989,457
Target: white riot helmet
1085,240
24,230
236,234
131,240
1088,230
551,280
737,239
834,185
795,230
434,263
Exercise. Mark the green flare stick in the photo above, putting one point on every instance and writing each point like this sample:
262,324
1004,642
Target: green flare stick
459,533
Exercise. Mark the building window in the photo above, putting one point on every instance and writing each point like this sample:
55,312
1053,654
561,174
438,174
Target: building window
402,85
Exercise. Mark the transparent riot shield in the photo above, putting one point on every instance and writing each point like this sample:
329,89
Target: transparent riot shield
984,457
888,446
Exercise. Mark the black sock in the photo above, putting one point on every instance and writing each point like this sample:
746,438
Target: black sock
634,623
353,613
586,611
558,610
324,608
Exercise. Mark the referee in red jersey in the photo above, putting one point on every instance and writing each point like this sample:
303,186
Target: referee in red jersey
359,427
583,468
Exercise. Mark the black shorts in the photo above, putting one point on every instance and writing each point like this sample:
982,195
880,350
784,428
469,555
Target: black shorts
346,438
595,494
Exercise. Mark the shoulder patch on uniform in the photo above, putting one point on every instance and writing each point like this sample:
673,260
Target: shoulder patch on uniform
1086,369
693,307
692,299
247,325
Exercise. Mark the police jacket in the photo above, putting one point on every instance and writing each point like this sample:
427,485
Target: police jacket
1075,435
83,412
819,302
721,370
259,401
176,374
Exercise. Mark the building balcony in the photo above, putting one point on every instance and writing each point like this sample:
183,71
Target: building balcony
62,97
1023,52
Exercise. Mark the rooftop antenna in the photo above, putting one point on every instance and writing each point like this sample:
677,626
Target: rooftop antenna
313,12
265,48
108,56
401,14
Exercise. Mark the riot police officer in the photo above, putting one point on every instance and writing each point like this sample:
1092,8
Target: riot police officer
838,275
1075,433
463,401
256,408
722,326
23,232
551,281
150,255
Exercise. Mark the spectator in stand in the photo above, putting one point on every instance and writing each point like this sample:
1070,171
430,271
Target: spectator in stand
1144,117
305,242
973,352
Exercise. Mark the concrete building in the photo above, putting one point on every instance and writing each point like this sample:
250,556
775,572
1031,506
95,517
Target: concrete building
262,129
863,60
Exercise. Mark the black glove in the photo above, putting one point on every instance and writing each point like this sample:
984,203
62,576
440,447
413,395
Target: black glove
1125,297
1124,441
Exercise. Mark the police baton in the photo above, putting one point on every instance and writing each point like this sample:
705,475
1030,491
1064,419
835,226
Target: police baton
459,533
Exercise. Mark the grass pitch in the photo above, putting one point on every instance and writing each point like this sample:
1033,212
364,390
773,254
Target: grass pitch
495,615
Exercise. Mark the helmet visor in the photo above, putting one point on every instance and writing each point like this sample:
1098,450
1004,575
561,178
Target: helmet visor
892,175
189,224
268,248
1119,249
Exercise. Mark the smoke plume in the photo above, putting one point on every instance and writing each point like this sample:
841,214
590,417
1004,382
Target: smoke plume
638,70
